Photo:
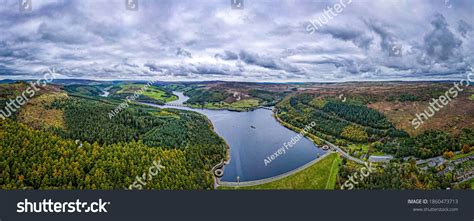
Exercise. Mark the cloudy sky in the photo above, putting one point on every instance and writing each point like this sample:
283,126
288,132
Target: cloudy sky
267,40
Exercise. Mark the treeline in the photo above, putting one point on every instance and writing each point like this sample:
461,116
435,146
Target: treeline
428,144
337,120
85,90
199,95
202,96
88,120
267,98
358,114
110,152
393,175
340,120
37,160
351,112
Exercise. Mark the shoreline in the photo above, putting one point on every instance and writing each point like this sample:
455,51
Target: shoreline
227,159
274,178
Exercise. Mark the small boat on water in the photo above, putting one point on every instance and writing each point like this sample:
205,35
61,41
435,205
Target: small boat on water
252,127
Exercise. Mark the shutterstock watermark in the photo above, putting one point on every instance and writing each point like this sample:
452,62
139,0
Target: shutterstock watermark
328,14
287,145
129,99
48,206
131,5
237,4
13,105
357,177
443,100
25,5
140,182
395,50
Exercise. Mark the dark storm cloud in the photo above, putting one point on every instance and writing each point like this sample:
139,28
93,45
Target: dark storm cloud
210,70
464,28
227,55
358,37
388,39
441,44
267,62
183,52
8,71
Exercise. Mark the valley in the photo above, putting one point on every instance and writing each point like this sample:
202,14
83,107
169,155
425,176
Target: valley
224,122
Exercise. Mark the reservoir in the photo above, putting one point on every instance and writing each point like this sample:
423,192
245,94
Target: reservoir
253,136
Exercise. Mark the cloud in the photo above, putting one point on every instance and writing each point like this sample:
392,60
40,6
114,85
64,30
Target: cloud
441,44
227,55
464,28
358,37
207,40
268,62
183,52
388,39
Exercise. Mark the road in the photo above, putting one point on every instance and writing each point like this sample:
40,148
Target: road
332,146
271,179
344,154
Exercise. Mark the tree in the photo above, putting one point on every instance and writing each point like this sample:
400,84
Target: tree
448,154
466,148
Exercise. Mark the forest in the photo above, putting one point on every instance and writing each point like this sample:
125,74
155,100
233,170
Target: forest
33,159
335,120
345,122
394,176
90,151
428,144
232,98
200,96
64,138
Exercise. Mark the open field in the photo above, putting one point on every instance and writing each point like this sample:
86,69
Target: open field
242,105
321,175
150,92
462,155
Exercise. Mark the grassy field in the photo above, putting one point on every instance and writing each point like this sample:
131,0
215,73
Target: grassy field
471,97
242,105
165,114
249,103
461,155
321,175
357,150
150,92
470,182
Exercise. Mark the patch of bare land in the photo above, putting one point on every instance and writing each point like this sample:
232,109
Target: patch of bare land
400,102
369,92
36,113
242,90
458,114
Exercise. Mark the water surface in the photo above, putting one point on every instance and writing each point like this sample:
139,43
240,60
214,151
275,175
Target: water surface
252,137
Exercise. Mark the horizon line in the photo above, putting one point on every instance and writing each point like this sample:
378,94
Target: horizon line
237,81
